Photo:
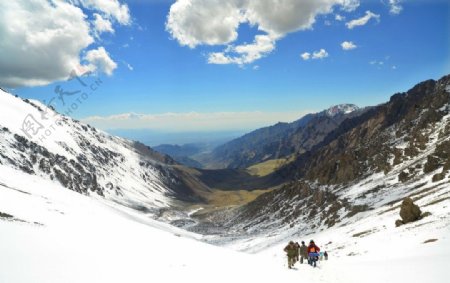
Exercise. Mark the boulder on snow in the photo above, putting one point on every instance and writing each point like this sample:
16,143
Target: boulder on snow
409,212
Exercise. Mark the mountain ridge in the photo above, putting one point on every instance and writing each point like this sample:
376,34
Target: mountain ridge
371,162
39,141
279,140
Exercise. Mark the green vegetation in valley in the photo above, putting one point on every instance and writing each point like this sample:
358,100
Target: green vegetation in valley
267,167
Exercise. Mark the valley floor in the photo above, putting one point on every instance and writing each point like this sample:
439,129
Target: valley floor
51,234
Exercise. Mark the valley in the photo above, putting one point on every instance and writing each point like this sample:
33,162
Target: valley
345,191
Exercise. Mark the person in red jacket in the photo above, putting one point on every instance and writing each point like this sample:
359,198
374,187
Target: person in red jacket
313,253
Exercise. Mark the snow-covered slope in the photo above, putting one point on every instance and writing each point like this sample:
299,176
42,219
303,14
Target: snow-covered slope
51,234
37,140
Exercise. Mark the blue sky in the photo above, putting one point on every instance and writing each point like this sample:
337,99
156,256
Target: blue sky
156,73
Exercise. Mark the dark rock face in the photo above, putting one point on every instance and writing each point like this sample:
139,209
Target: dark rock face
440,157
294,203
409,212
366,144
282,139
77,175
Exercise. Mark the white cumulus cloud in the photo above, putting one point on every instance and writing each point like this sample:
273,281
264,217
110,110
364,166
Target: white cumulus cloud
220,58
216,22
194,22
99,60
278,18
102,25
305,56
348,45
363,20
42,41
322,53
349,5
245,53
110,8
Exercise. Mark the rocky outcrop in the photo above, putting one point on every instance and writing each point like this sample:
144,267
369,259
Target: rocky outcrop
296,203
409,212
78,175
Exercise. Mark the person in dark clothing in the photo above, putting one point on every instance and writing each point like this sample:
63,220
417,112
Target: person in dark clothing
325,254
297,251
313,253
303,252
290,251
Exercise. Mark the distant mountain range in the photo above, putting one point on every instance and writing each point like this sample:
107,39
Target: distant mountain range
280,140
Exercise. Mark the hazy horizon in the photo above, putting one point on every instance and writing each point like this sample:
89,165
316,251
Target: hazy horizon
154,138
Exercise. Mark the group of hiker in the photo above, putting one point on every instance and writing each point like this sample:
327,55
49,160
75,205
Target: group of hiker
311,253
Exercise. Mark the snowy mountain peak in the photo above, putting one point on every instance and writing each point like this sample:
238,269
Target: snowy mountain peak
341,109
